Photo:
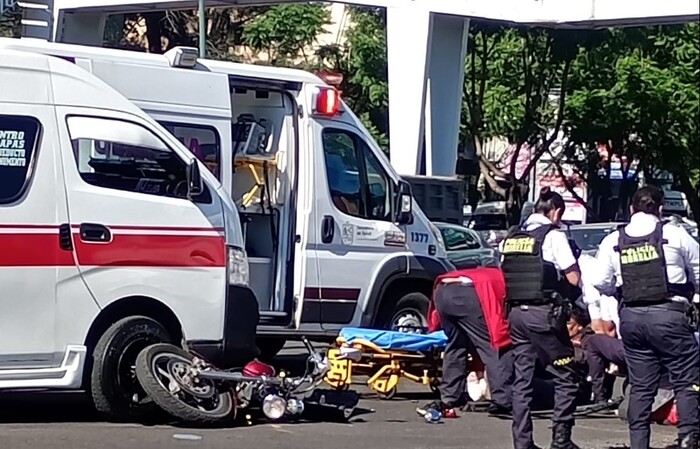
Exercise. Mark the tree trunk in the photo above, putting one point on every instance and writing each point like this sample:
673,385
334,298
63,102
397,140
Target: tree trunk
154,22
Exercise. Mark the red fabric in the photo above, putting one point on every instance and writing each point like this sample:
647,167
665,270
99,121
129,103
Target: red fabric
666,414
490,287
672,418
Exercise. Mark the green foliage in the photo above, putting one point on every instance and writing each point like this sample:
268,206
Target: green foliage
363,62
638,92
285,31
10,22
514,76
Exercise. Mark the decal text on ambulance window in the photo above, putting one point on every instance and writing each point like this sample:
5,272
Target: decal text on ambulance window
18,137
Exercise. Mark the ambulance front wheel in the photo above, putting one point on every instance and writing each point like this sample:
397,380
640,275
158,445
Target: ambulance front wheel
115,390
410,313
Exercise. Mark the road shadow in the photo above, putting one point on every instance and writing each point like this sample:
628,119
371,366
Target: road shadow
46,407
672,446
55,407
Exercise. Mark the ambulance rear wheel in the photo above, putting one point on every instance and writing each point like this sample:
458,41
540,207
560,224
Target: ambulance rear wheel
115,390
410,314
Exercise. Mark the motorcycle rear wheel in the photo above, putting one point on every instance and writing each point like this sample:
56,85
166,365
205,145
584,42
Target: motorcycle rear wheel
159,369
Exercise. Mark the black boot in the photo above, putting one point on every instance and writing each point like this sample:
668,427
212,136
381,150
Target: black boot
689,441
561,437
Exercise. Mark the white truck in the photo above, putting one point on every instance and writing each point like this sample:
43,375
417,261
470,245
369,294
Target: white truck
332,234
112,237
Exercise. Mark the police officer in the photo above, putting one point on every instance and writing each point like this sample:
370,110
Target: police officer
541,270
648,262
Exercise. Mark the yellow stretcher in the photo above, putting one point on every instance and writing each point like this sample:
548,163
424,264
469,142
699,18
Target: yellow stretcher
385,357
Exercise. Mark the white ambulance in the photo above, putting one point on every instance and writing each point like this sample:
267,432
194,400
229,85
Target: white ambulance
332,234
112,237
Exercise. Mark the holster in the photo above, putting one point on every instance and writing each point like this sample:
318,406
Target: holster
559,312
694,316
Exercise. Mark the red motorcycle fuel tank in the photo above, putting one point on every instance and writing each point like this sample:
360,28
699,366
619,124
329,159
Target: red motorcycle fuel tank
256,368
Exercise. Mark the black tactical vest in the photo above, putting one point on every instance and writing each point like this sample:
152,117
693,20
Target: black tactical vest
643,270
529,278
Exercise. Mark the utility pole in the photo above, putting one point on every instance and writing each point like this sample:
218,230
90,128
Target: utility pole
202,30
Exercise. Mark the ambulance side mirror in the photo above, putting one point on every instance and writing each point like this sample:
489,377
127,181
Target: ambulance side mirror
404,203
195,185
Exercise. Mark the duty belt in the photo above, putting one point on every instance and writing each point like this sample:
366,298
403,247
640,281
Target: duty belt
678,306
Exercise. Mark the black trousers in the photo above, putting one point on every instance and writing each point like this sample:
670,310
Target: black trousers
535,337
600,350
656,337
462,319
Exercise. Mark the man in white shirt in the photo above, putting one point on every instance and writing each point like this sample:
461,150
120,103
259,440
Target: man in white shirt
599,306
654,268
601,344
540,270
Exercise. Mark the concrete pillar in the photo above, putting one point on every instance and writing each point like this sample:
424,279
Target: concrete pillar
444,94
408,34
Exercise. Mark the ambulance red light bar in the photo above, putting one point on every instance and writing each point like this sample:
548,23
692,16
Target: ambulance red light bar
327,101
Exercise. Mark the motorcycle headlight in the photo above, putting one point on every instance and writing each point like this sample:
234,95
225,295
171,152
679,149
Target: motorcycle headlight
238,273
274,406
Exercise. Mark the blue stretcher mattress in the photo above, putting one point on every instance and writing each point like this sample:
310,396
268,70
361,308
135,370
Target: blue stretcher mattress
396,341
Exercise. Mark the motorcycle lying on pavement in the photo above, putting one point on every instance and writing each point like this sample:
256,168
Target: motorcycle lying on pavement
190,389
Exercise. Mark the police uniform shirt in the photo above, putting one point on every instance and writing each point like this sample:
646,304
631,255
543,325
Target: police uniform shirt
591,296
600,306
609,312
555,247
680,253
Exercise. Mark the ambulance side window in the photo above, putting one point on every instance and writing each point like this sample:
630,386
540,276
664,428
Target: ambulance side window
203,141
19,136
121,155
358,184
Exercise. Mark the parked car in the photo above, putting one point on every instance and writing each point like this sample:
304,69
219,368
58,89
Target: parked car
588,236
466,248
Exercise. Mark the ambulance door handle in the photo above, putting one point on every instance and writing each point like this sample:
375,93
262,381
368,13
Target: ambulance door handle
327,229
90,232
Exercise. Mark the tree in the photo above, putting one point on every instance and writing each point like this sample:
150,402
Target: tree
515,87
363,62
286,31
637,94
11,22
167,29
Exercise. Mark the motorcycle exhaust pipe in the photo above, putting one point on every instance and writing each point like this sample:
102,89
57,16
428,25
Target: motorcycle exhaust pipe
237,377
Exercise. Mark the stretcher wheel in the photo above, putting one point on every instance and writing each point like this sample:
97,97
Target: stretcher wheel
388,395
435,387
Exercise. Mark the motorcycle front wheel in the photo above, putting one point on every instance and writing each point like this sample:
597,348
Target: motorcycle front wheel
163,372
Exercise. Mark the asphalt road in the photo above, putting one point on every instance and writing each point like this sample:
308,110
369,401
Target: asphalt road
66,421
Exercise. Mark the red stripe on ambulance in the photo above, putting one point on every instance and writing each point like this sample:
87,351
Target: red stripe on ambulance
38,246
